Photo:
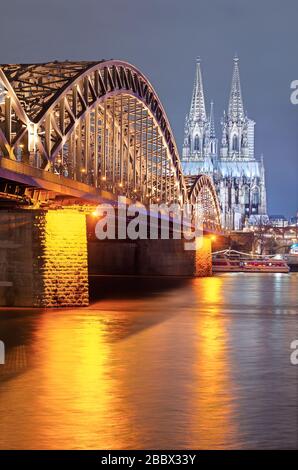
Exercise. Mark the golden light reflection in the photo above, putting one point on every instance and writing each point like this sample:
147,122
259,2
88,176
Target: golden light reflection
136,373
79,397
211,290
213,424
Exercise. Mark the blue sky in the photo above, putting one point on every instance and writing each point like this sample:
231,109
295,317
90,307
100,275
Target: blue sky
163,38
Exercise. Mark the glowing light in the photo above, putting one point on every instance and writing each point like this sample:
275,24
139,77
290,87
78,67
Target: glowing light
65,239
91,395
212,333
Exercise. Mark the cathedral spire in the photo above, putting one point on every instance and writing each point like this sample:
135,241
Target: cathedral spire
211,121
197,108
212,134
236,110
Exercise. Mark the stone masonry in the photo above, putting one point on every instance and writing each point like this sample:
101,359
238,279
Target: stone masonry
43,258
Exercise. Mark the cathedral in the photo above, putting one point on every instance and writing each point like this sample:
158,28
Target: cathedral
238,176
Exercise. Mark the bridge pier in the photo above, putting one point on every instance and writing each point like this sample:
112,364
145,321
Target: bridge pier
43,258
203,258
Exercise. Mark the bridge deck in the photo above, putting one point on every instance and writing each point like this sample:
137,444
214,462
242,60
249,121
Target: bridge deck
34,177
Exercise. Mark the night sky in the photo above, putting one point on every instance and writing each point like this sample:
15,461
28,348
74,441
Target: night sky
163,38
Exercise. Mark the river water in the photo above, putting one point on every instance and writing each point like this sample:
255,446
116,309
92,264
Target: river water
197,363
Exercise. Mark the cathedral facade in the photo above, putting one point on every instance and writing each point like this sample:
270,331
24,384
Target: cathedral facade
238,176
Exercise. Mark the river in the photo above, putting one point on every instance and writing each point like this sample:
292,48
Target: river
161,364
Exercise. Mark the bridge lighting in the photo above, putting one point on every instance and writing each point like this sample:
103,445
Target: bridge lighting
114,168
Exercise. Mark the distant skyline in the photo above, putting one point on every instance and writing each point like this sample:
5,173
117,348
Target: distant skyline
163,38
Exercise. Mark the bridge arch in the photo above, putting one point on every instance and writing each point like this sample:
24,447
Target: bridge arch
97,124
100,123
202,192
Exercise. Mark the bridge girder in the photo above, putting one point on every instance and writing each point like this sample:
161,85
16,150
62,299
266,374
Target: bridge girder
98,123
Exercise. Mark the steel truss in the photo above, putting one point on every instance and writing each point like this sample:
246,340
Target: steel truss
100,123
202,192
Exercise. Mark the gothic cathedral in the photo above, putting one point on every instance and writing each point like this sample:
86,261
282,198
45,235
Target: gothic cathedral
238,176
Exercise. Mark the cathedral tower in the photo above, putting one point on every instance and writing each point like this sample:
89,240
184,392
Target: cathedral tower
198,144
241,182
235,123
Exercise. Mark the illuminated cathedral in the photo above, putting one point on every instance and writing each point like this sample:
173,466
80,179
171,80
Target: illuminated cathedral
238,176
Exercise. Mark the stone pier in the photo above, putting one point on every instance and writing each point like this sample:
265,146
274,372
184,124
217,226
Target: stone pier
203,258
43,258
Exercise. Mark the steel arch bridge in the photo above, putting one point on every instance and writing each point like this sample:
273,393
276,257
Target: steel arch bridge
90,128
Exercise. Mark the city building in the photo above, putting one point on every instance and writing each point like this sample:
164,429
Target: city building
294,220
238,176
278,220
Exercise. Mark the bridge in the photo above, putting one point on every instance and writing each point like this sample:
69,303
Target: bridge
73,135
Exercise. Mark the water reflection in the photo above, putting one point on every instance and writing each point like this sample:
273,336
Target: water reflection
74,362
201,365
212,408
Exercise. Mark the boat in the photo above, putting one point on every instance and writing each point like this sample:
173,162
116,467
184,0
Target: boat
292,261
229,261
